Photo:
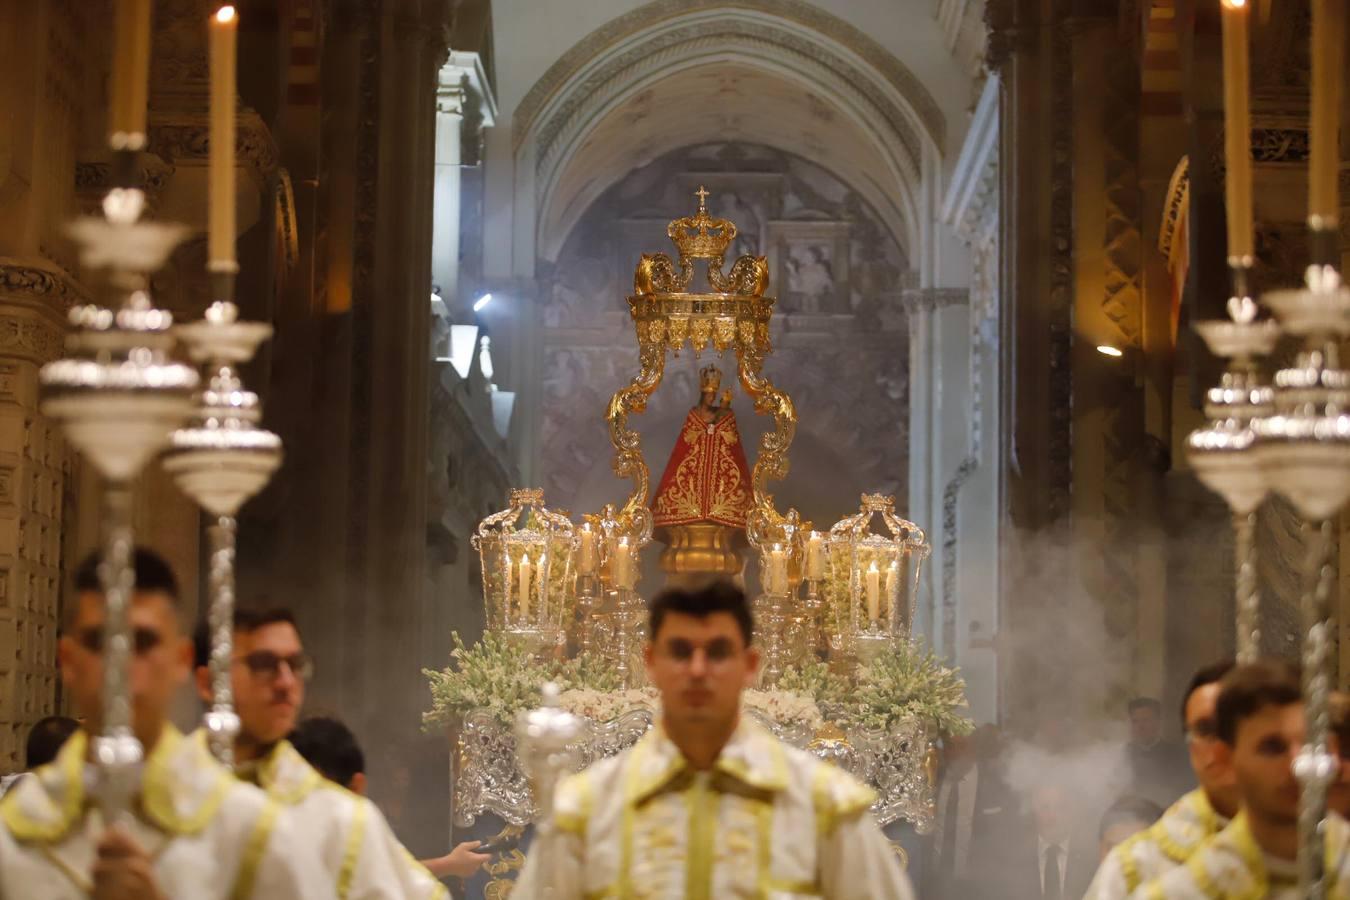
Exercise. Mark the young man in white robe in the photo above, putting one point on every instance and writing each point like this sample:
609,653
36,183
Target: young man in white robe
193,832
360,856
708,804
1261,728
1190,821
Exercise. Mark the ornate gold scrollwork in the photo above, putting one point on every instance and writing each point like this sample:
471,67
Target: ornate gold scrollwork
628,460
734,315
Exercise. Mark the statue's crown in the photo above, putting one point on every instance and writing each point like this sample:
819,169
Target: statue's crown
700,236
709,377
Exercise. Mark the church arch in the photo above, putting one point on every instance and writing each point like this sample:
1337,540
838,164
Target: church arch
630,91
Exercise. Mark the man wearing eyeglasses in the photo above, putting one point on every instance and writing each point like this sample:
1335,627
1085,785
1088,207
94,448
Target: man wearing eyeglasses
1197,816
708,803
268,671
1261,729
193,832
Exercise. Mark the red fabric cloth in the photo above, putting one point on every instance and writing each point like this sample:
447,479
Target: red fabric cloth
707,478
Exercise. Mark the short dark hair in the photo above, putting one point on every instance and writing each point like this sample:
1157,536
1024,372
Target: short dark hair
701,601
1129,808
1252,687
152,574
1144,703
1210,674
329,746
246,621
46,739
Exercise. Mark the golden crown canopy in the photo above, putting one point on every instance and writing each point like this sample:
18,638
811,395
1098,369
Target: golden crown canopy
734,311
700,236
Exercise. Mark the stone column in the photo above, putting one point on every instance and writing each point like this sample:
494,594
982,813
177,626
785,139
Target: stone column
1030,47
52,60
35,472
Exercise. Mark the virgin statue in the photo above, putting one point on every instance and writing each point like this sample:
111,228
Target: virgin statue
703,498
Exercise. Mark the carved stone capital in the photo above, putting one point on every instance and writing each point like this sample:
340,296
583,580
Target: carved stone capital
92,180
40,285
186,139
1006,37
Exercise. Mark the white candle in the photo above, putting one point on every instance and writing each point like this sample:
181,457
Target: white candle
623,564
525,588
1237,130
130,75
777,570
873,593
815,556
892,582
220,163
586,552
1328,73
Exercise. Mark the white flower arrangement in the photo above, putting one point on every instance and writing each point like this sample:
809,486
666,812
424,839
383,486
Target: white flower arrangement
784,708
602,706
906,683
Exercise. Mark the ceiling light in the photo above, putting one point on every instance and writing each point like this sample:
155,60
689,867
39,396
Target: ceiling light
482,302
1108,350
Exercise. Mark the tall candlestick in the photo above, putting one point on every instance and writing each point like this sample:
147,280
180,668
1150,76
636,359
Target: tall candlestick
586,552
1237,131
525,588
815,556
1328,69
220,237
130,75
873,593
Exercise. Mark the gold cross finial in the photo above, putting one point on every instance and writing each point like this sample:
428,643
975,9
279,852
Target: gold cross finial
702,194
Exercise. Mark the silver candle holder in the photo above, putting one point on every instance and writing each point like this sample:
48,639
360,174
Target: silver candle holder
544,741
117,396
1220,451
1304,449
221,459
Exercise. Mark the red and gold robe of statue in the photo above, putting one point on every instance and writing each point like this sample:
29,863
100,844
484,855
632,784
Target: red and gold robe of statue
707,478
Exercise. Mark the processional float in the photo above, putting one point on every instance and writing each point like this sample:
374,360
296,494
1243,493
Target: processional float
1292,437
121,397
840,596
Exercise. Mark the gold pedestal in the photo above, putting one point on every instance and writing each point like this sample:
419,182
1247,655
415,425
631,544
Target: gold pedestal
700,549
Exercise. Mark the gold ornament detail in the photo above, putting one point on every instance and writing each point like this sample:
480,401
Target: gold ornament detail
734,315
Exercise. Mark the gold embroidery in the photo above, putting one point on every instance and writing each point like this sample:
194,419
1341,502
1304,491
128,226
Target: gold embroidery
30,811
286,776
698,870
710,481
352,851
254,850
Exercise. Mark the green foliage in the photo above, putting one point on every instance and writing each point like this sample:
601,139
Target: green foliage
590,671
502,678
494,675
815,680
910,681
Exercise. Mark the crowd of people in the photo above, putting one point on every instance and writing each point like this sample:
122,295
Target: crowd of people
706,804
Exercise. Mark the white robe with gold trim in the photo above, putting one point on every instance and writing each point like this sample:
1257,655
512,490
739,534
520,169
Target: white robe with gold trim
767,821
359,852
1231,866
210,837
1158,849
